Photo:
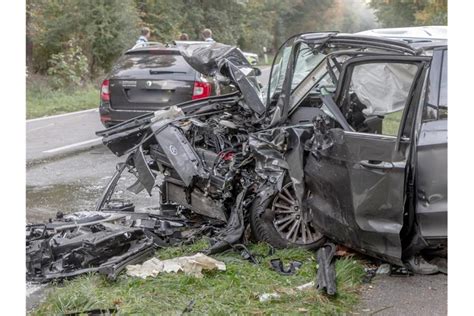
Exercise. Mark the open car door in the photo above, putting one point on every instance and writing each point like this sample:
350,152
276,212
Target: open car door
358,180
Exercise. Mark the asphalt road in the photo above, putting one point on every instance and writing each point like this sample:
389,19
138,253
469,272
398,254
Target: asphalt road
57,135
412,295
74,183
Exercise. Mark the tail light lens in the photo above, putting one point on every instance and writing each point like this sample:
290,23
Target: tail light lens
201,90
105,91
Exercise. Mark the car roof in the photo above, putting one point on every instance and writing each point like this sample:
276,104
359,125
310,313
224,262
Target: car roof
409,45
417,32
418,37
157,46
152,48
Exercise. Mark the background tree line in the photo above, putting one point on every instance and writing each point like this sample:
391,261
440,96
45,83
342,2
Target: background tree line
76,40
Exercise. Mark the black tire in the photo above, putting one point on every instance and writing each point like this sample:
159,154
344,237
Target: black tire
263,221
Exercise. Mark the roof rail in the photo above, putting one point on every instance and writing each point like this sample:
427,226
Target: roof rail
146,44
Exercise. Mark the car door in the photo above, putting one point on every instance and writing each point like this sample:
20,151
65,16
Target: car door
357,180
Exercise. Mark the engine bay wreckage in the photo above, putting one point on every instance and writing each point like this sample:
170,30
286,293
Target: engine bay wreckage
291,164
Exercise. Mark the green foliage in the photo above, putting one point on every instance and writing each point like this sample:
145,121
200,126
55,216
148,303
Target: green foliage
102,28
233,291
69,67
405,13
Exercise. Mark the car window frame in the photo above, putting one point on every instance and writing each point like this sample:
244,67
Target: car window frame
432,96
444,61
345,80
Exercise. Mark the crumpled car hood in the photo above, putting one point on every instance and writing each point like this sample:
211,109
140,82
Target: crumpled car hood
218,59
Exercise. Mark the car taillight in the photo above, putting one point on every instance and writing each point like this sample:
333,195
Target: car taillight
201,90
104,91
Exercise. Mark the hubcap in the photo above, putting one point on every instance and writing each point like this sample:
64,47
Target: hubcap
289,220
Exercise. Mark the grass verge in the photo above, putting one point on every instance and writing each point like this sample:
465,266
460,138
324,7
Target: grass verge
231,292
42,100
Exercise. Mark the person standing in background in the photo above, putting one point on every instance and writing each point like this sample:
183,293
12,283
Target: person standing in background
184,37
207,35
145,35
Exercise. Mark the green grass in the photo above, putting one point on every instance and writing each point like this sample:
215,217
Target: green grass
231,292
391,123
42,100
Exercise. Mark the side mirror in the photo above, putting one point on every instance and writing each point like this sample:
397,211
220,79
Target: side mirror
257,71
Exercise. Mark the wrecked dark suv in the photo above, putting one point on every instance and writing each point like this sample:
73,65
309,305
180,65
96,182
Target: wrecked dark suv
348,144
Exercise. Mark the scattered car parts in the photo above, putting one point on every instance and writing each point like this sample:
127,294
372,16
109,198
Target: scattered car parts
277,265
326,274
64,249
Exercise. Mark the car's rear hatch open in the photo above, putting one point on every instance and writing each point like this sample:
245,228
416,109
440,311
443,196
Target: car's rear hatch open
150,79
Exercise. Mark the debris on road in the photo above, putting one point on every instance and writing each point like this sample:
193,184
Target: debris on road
384,268
277,265
369,274
75,245
94,312
190,265
326,274
102,242
189,307
265,297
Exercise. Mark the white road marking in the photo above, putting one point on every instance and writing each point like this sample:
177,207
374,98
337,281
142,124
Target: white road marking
90,141
40,127
60,115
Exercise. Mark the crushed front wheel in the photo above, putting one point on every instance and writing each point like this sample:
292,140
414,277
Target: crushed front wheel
282,222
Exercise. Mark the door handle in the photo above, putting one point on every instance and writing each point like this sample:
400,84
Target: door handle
376,164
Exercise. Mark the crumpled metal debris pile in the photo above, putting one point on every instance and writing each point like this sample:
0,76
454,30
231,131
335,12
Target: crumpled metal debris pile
102,242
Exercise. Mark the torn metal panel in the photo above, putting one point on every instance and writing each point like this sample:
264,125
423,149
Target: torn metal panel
249,88
180,153
277,265
195,201
235,227
268,148
217,58
205,57
145,175
326,274
294,155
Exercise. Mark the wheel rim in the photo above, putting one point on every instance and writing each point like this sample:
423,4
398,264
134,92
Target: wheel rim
290,222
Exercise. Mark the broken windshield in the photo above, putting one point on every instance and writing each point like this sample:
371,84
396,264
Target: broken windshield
307,59
279,70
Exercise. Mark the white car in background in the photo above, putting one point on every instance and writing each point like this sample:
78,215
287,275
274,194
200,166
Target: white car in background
417,33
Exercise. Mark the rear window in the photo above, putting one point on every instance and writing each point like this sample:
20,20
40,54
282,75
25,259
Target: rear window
166,61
